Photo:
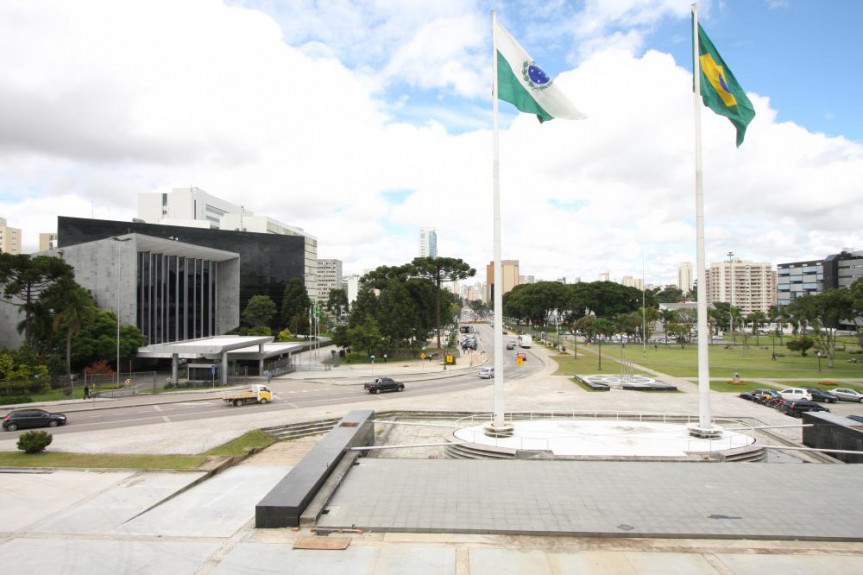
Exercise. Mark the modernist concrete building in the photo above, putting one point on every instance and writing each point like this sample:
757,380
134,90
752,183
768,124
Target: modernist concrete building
172,291
268,262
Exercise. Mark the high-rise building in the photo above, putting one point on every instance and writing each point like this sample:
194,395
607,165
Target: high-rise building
509,271
428,243
194,208
10,238
603,277
747,285
685,278
329,277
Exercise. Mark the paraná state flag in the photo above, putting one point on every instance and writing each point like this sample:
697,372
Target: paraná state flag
522,83
720,90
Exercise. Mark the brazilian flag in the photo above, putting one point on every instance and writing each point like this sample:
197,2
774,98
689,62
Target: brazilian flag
719,88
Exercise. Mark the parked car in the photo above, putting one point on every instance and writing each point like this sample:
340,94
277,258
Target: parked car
747,395
856,418
796,393
796,407
26,418
380,384
767,397
821,395
757,394
486,372
847,394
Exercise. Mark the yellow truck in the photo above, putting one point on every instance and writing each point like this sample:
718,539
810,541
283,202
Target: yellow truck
252,394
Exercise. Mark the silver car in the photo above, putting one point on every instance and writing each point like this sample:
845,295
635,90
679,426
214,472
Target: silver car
796,393
847,394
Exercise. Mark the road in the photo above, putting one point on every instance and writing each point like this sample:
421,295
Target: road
290,393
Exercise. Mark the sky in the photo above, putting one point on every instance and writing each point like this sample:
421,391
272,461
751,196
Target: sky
363,121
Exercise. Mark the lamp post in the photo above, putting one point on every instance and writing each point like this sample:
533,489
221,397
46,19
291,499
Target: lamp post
731,294
117,271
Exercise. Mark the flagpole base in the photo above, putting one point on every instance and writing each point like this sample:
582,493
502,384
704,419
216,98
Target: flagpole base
492,430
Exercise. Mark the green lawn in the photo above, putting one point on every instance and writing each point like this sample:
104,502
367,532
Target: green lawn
253,439
725,359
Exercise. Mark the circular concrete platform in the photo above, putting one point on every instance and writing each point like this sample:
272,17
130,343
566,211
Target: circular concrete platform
603,438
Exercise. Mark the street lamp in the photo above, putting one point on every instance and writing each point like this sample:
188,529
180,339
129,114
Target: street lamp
731,294
117,271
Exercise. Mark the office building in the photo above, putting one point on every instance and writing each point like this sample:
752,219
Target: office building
10,238
817,276
428,243
195,208
329,278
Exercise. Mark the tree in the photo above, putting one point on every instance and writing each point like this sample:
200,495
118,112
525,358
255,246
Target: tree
831,307
440,270
802,343
97,340
295,307
337,303
24,279
757,319
668,294
75,306
667,317
260,311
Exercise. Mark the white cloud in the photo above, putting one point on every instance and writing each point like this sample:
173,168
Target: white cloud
104,103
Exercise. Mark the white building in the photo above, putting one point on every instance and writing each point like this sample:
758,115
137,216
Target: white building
428,243
352,287
329,277
193,207
748,285
685,279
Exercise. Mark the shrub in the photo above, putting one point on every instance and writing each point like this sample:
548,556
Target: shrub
34,441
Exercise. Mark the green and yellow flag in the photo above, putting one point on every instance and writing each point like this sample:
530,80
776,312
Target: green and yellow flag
719,88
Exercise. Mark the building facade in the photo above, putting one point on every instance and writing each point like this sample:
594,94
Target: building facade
747,285
509,271
10,238
798,278
329,277
268,262
47,242
428,243
685,277
194,208
172,291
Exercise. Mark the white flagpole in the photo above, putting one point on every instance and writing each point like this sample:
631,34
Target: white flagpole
705,425
498,421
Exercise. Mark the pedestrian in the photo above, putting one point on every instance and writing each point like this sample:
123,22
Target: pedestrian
86,392
268,375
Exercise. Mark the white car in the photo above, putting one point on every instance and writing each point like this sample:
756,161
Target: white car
796,393
847,394
486,372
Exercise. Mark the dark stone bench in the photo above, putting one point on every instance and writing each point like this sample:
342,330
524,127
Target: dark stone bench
284,504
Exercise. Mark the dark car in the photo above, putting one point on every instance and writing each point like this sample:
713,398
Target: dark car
821,395
27,418
796,407
769,397
746,395
380,384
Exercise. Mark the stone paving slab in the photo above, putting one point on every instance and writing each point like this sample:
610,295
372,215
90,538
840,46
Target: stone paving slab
96,557
222,505
623,499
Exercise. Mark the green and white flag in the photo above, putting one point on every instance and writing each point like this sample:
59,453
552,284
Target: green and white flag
522,83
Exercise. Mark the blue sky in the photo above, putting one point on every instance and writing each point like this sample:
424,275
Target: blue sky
363,121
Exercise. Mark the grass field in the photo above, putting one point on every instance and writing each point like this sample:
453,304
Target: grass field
725,360
253,439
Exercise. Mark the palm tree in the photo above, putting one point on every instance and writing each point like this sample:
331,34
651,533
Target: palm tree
77,306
